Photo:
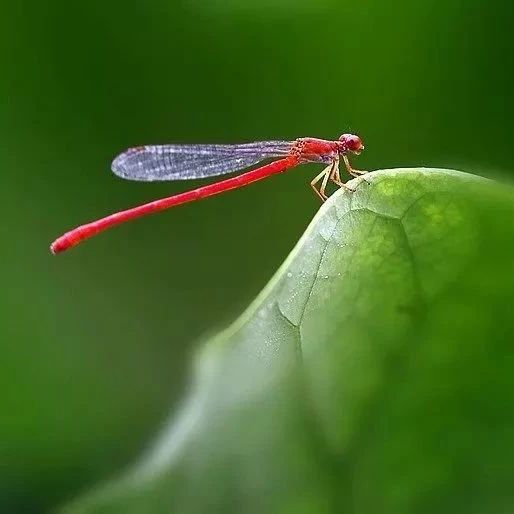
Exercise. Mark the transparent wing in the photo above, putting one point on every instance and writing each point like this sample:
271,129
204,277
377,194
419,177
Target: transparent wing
183,162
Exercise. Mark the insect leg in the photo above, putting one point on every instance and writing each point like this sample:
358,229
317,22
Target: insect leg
336,177
324,175
353,172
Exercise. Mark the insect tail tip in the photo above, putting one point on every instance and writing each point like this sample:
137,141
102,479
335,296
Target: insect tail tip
55,247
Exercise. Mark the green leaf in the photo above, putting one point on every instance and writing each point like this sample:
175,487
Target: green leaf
374,374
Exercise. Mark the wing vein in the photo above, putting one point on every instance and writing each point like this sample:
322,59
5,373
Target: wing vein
183,162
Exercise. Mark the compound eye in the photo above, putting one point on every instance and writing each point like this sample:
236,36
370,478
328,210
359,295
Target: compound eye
355,143
351,143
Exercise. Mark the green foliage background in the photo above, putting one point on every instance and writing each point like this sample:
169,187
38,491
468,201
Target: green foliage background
96,344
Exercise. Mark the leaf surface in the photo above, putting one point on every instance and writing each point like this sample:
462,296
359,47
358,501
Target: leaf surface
373,374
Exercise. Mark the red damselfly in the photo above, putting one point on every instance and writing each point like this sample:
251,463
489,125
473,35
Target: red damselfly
183,162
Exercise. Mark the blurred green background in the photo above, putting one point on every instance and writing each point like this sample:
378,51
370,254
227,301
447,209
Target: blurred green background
96,343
